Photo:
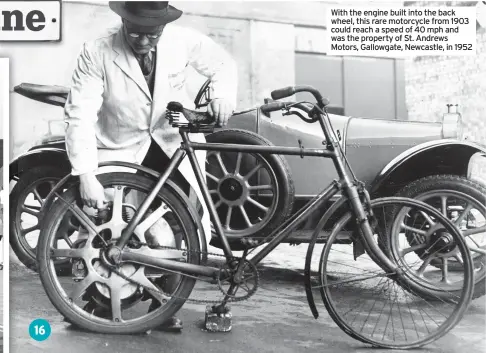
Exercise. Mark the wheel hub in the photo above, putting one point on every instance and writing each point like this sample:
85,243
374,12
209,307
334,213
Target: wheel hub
231,189
126,290
443,243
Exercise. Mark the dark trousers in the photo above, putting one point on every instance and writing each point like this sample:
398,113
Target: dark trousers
157,160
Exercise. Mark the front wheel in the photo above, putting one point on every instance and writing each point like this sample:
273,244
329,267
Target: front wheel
97,299
389,309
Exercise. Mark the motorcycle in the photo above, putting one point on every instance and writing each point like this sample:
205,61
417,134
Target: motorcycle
118,269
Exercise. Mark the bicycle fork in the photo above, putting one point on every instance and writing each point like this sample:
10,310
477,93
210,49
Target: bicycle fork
369,243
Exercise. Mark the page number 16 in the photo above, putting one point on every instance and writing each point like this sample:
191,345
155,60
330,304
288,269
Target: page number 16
39,329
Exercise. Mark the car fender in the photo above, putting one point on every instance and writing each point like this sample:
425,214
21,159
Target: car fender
44,156
429,158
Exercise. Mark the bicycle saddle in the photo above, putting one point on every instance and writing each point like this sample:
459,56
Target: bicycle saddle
175,109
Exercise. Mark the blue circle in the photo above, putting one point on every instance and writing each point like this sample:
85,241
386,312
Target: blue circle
39,329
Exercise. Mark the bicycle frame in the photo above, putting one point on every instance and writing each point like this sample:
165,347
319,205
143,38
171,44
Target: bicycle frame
188,148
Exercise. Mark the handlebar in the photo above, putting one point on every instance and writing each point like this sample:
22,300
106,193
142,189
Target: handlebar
274,106
291,90
319,108
283,92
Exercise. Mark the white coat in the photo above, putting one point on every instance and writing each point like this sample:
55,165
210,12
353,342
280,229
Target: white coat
110,113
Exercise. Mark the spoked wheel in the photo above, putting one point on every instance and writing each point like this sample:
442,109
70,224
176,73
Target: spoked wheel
462,201
252,193
388,309
26,200
248,204
98,299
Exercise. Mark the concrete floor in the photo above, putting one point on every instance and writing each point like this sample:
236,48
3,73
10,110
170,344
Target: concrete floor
276,319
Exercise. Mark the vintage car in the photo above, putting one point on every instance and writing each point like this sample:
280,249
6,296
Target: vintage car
427,160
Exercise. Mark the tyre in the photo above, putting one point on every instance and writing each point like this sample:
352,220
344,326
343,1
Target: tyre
463,202
26,199
384,308
94,282
253,193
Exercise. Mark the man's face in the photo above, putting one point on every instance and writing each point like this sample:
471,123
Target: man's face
142,38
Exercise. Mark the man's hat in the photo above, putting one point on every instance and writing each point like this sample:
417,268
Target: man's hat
146,13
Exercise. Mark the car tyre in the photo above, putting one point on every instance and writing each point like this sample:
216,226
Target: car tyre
26,181
436,183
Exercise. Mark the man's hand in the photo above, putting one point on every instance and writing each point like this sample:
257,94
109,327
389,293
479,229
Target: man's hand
92,192
221,109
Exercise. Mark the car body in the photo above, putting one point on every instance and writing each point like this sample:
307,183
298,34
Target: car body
401,150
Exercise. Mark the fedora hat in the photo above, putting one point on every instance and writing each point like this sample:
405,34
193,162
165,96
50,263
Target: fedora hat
146,13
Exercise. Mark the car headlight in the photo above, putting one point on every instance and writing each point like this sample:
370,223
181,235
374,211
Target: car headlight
452,125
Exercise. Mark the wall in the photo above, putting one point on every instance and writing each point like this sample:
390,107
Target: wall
433,82
265,60
262,38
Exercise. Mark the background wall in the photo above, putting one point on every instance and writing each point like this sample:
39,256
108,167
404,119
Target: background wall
234,25
274,46
434,81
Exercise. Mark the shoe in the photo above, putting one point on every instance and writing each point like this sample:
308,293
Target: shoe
65,319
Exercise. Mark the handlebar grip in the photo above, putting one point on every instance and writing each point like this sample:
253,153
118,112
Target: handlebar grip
283,92
272,107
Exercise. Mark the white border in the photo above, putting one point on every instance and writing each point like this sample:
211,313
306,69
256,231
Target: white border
4,92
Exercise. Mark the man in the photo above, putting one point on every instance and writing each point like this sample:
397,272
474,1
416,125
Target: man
120,90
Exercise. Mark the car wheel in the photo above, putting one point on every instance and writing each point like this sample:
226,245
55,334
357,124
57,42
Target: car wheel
253,193
462,201
26,200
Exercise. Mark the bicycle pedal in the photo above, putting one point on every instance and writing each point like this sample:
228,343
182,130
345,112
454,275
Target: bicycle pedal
218,322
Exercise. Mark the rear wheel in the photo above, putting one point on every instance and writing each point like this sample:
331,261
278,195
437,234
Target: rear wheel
126,307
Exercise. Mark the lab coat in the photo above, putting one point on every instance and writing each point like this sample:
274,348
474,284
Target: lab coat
110,113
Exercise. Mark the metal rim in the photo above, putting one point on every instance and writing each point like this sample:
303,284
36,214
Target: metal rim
231,190
118,292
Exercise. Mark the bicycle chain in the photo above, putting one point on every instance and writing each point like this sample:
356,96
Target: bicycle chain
197,301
